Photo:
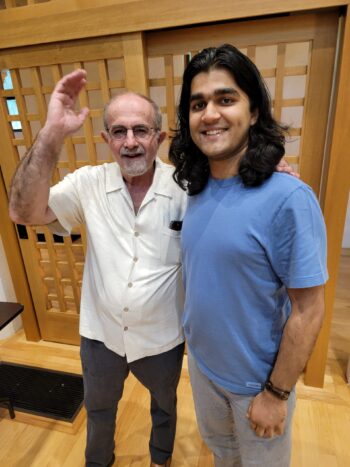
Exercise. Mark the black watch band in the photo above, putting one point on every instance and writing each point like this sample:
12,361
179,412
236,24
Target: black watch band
280,393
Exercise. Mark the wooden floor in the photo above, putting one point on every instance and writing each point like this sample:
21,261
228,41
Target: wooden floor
321,436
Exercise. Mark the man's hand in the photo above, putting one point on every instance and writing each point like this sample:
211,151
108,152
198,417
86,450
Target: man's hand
62,117
284,167
31,183
267,415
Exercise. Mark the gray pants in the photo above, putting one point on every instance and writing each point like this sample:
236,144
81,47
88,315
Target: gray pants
104,373
222,422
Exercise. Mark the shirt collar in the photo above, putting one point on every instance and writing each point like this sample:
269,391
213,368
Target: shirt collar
160,185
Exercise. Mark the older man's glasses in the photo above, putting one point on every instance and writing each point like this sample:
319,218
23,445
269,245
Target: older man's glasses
140,132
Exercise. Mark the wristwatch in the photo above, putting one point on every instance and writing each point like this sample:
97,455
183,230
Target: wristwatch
280,393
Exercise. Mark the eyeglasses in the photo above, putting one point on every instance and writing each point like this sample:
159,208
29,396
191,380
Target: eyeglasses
140,132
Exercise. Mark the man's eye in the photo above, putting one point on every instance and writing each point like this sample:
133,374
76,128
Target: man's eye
141,131
227,100
197,106
118,132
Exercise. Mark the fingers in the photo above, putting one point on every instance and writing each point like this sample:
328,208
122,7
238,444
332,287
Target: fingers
282,163
263,432
267,432
82,114
72,83
249,410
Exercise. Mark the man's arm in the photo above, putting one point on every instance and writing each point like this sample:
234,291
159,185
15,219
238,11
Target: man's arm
267,413
30,186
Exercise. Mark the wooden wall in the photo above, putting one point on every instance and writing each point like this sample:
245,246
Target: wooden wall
59,20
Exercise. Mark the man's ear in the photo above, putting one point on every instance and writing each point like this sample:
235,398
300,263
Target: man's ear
161,137
105,137
254,117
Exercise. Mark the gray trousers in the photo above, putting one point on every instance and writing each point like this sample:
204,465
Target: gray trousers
222,422
104,373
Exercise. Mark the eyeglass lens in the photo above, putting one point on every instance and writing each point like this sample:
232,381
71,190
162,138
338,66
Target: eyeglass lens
139,131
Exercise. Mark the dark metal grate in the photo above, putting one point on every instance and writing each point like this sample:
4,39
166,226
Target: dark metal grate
48,393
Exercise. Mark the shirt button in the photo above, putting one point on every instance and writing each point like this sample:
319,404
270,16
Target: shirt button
135,259
126,328
130,284
136,234
126,309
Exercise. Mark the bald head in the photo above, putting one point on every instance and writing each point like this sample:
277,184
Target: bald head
157,123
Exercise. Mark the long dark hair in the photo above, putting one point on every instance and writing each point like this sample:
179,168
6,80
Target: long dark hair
266,137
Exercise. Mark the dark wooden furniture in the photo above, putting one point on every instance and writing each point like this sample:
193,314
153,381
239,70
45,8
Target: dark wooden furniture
8,312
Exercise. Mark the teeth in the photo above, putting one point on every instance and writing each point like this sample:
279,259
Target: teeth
213,132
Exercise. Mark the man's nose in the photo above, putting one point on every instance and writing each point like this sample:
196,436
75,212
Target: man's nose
130,140
210,113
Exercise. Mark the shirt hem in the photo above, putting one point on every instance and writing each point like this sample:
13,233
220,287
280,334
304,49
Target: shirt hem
131,357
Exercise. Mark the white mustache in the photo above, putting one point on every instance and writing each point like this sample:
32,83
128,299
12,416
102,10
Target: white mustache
126,152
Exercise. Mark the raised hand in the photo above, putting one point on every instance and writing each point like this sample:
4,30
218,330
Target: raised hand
62,117
31,182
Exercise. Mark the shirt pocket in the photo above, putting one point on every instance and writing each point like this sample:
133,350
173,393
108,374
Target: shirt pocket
170,246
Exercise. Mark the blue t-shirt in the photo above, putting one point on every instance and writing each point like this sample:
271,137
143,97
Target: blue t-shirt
241,248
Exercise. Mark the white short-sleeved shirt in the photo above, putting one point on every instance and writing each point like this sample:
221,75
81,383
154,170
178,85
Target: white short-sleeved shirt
132,295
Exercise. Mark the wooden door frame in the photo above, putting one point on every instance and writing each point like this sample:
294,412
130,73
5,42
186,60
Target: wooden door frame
16,267
337,189
60,20
17,28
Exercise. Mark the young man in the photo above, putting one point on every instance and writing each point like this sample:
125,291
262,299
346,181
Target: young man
254,261
132,297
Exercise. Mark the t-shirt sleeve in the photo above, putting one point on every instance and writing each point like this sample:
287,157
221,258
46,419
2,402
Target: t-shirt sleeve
297,245
65,202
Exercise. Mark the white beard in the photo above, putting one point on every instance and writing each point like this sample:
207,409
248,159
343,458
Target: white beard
135,167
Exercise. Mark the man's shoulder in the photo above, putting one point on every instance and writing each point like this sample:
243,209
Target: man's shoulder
285,184
93,171
166,183
164,167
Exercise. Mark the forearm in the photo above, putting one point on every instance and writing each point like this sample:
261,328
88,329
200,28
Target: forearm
31,183
267,413
299,336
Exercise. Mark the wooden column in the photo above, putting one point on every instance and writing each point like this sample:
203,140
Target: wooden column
135,62
335,205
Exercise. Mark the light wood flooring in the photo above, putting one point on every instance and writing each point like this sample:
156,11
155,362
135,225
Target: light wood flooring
321,435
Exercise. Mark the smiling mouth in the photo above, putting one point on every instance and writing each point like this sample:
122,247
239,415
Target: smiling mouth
132,156
215,132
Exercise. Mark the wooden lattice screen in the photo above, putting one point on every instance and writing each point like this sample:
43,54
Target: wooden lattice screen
55,264
19,3
285,68
290,52
284,51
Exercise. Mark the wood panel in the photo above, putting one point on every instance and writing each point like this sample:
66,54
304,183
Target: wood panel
75,20
335,205
61,52
135,62
318,102
289,53
16,267
54,265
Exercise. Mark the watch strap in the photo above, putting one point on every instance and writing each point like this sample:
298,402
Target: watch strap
279,393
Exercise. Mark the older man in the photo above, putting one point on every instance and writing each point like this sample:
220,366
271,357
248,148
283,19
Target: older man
132,293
